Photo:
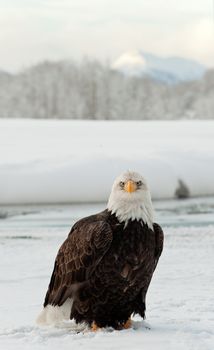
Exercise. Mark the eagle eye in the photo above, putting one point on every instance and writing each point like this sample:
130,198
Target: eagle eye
139,183
122,184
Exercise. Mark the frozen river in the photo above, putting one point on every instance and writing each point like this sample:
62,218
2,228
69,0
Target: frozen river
59,218
180,308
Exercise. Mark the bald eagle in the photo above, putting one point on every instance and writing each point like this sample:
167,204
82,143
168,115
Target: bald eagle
103,269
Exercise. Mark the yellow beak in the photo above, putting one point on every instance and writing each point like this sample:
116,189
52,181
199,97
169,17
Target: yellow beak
130,186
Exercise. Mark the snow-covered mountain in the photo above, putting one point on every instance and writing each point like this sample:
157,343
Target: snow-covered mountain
169,70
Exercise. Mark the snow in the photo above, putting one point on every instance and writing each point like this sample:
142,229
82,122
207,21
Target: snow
131,64
66,161
169,70
179,302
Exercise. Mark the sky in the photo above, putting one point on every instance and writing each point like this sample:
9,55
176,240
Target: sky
35,30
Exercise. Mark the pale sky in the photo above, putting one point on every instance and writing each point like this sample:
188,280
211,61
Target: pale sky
34,30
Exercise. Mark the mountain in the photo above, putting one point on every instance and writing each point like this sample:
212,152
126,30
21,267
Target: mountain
169,70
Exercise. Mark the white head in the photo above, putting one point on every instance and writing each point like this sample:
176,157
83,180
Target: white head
130,199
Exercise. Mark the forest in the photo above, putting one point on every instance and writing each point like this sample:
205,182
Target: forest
91,90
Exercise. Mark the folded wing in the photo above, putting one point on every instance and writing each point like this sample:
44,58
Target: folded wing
78,256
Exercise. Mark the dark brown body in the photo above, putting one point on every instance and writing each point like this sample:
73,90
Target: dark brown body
106,268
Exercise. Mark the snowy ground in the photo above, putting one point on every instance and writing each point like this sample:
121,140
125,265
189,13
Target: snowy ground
180,308
65,161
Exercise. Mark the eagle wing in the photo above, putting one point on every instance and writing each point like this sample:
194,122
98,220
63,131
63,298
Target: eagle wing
140,302
159,238
78,256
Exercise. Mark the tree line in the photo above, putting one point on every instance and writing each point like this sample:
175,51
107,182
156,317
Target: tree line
91,90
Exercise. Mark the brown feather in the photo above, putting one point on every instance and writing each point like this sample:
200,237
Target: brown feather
82,250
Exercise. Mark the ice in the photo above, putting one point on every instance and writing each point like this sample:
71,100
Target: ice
179,301
58,161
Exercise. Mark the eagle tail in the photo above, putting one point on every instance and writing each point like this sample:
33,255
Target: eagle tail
55,315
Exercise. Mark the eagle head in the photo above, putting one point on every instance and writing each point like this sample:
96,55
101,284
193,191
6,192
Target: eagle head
130,199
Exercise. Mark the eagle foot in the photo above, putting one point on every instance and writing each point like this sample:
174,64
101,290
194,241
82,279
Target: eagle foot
127,324
94,327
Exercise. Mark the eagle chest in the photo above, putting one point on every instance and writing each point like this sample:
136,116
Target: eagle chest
128,256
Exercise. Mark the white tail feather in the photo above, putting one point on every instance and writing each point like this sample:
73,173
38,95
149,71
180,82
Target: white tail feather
55,315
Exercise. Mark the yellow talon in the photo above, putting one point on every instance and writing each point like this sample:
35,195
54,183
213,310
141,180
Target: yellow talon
128,324
94,327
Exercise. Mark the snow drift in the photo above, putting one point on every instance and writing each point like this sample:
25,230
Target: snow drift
53,161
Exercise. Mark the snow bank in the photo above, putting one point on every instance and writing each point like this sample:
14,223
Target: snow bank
54,161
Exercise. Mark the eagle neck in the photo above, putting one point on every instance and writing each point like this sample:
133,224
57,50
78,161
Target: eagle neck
127,213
